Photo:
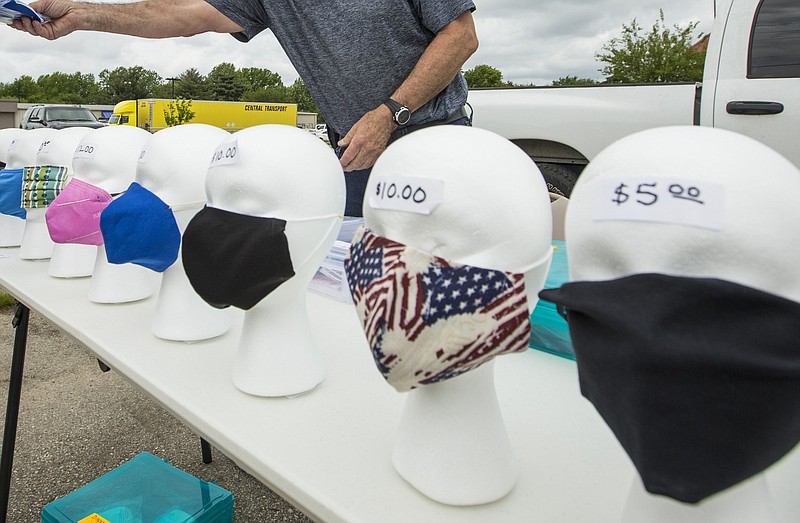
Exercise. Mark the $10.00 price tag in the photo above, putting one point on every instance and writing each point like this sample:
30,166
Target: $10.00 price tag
406,193
663,200
226,154
85,150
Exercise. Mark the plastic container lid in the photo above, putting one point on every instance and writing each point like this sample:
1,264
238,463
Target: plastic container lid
145,489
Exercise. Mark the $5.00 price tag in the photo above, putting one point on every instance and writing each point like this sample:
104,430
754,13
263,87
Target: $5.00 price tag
662,200
406,193
226,154
85,150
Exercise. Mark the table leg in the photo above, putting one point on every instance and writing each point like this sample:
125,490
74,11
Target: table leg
205,448
20,322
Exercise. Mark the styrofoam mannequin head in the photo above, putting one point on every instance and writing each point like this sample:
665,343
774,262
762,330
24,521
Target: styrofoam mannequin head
11,227
59,148
174,162
279,171
67,260
26,145
107,157
173,165
36,243
451,443
758,244
496,210
6,137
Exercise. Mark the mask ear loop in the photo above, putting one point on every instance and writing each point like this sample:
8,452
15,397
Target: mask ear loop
185,206
338,218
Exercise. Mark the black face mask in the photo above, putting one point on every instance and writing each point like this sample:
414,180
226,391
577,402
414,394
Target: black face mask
235,259
698,378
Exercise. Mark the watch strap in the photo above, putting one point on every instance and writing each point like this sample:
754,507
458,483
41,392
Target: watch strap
396,108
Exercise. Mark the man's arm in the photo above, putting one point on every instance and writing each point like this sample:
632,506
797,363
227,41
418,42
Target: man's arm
148,18
434,71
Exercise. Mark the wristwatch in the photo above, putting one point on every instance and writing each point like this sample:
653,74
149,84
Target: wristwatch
400,113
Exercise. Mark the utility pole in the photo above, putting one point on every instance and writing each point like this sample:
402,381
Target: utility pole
173,86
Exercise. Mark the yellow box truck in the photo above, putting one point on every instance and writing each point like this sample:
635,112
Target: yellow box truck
231,116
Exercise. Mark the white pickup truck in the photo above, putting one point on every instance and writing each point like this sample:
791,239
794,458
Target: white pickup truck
751,85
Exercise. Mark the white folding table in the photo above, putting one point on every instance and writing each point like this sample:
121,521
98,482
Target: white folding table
329,451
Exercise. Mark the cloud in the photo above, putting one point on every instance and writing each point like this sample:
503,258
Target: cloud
530,42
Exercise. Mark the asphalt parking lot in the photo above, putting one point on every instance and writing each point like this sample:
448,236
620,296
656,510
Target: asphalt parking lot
76,423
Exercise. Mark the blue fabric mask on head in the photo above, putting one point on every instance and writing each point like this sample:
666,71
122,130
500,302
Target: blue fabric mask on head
138,227
11,193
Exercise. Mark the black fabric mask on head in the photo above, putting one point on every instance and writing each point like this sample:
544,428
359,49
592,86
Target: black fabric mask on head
235,259
698,378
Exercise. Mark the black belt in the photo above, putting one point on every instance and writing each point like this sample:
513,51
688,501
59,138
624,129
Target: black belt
461,113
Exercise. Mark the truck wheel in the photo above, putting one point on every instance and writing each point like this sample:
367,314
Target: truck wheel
560,180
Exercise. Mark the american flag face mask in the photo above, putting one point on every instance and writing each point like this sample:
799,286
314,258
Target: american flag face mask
427,319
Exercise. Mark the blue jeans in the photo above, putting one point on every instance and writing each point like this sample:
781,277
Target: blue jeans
356,181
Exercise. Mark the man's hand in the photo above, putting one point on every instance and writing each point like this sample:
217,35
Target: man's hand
146,18
367,139
63,19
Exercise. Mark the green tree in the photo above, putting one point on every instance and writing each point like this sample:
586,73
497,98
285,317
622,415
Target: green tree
225,82
574,80
485,76
255,78
178,111
263,85
24,89
660,55
128,83
299,94
73,88
191,84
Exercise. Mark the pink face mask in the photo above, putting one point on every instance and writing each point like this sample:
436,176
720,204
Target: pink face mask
74,215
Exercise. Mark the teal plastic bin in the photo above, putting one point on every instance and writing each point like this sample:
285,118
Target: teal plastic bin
145,489
549,331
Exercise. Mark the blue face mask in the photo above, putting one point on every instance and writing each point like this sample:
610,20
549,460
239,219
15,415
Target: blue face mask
11,193
138,227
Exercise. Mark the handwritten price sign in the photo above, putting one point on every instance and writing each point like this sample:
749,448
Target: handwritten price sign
226,154
662,200
85,150
407,193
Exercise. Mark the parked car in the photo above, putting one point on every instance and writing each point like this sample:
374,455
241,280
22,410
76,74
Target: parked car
751,85
58,117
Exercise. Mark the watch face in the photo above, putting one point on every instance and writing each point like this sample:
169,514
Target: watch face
402,116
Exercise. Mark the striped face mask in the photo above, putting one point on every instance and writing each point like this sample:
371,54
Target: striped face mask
427,319
41,184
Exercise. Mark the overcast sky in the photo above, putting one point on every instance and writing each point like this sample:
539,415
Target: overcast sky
530,41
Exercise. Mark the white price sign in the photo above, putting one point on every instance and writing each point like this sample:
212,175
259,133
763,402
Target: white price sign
663,200
85,150
407,193
45,146
226,154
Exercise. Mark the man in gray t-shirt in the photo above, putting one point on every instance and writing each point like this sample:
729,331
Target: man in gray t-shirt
375,68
